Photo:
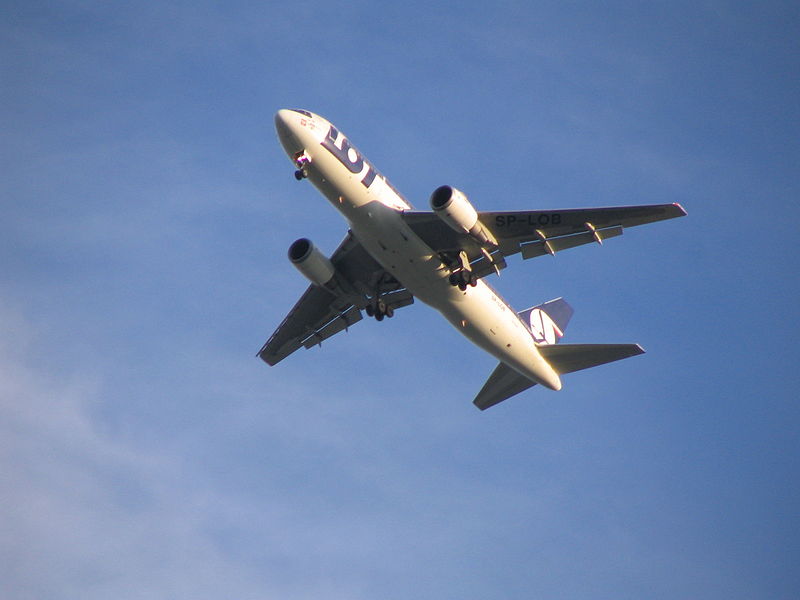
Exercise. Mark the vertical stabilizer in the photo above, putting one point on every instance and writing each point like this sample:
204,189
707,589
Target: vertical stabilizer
547,322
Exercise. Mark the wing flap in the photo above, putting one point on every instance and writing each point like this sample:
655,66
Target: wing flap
340,323
545,245
313,309
398,299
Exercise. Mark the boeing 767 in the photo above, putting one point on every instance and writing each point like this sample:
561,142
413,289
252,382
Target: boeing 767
393,254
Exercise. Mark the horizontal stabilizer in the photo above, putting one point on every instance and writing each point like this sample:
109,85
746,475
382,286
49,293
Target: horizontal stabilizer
568,358
503,383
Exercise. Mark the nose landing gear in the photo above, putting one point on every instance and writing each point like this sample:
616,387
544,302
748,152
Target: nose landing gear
301,160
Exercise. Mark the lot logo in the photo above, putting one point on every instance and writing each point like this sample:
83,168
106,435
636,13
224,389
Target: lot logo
543,328
348,155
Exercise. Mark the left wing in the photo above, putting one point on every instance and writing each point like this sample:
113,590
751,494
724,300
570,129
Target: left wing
325,311
536,232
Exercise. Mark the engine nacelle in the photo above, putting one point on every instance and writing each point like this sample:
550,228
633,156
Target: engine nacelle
311,262
452,207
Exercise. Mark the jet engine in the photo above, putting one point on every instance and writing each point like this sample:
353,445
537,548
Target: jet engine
311,262
452,207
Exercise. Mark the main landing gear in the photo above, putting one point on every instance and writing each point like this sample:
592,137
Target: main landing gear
379,309
461,274
463,278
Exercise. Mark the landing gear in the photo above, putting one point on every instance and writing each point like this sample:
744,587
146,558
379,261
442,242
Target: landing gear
301,160
463,278
461,274
379,309
377,306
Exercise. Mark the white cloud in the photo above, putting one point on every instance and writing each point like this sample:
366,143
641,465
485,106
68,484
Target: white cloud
88,515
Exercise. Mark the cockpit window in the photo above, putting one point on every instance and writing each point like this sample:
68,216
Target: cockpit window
302,112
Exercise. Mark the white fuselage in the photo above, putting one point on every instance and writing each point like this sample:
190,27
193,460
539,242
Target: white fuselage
374,211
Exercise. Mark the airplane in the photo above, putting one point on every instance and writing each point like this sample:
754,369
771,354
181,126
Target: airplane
393,254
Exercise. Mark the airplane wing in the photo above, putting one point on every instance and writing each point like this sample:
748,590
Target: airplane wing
325,311
537,232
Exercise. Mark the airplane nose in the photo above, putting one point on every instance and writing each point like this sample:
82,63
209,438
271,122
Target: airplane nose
286,125
283,119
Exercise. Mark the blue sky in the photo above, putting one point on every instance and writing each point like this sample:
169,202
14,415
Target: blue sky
147,208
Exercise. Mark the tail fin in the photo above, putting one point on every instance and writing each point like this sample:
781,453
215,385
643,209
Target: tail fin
547,322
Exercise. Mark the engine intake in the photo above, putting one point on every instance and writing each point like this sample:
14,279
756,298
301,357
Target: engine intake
311,262
452,207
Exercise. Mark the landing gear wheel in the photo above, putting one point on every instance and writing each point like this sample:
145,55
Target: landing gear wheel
462,279
379,309
300,174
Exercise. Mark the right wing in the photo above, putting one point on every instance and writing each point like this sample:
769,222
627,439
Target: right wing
540,232
325,311
536,232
